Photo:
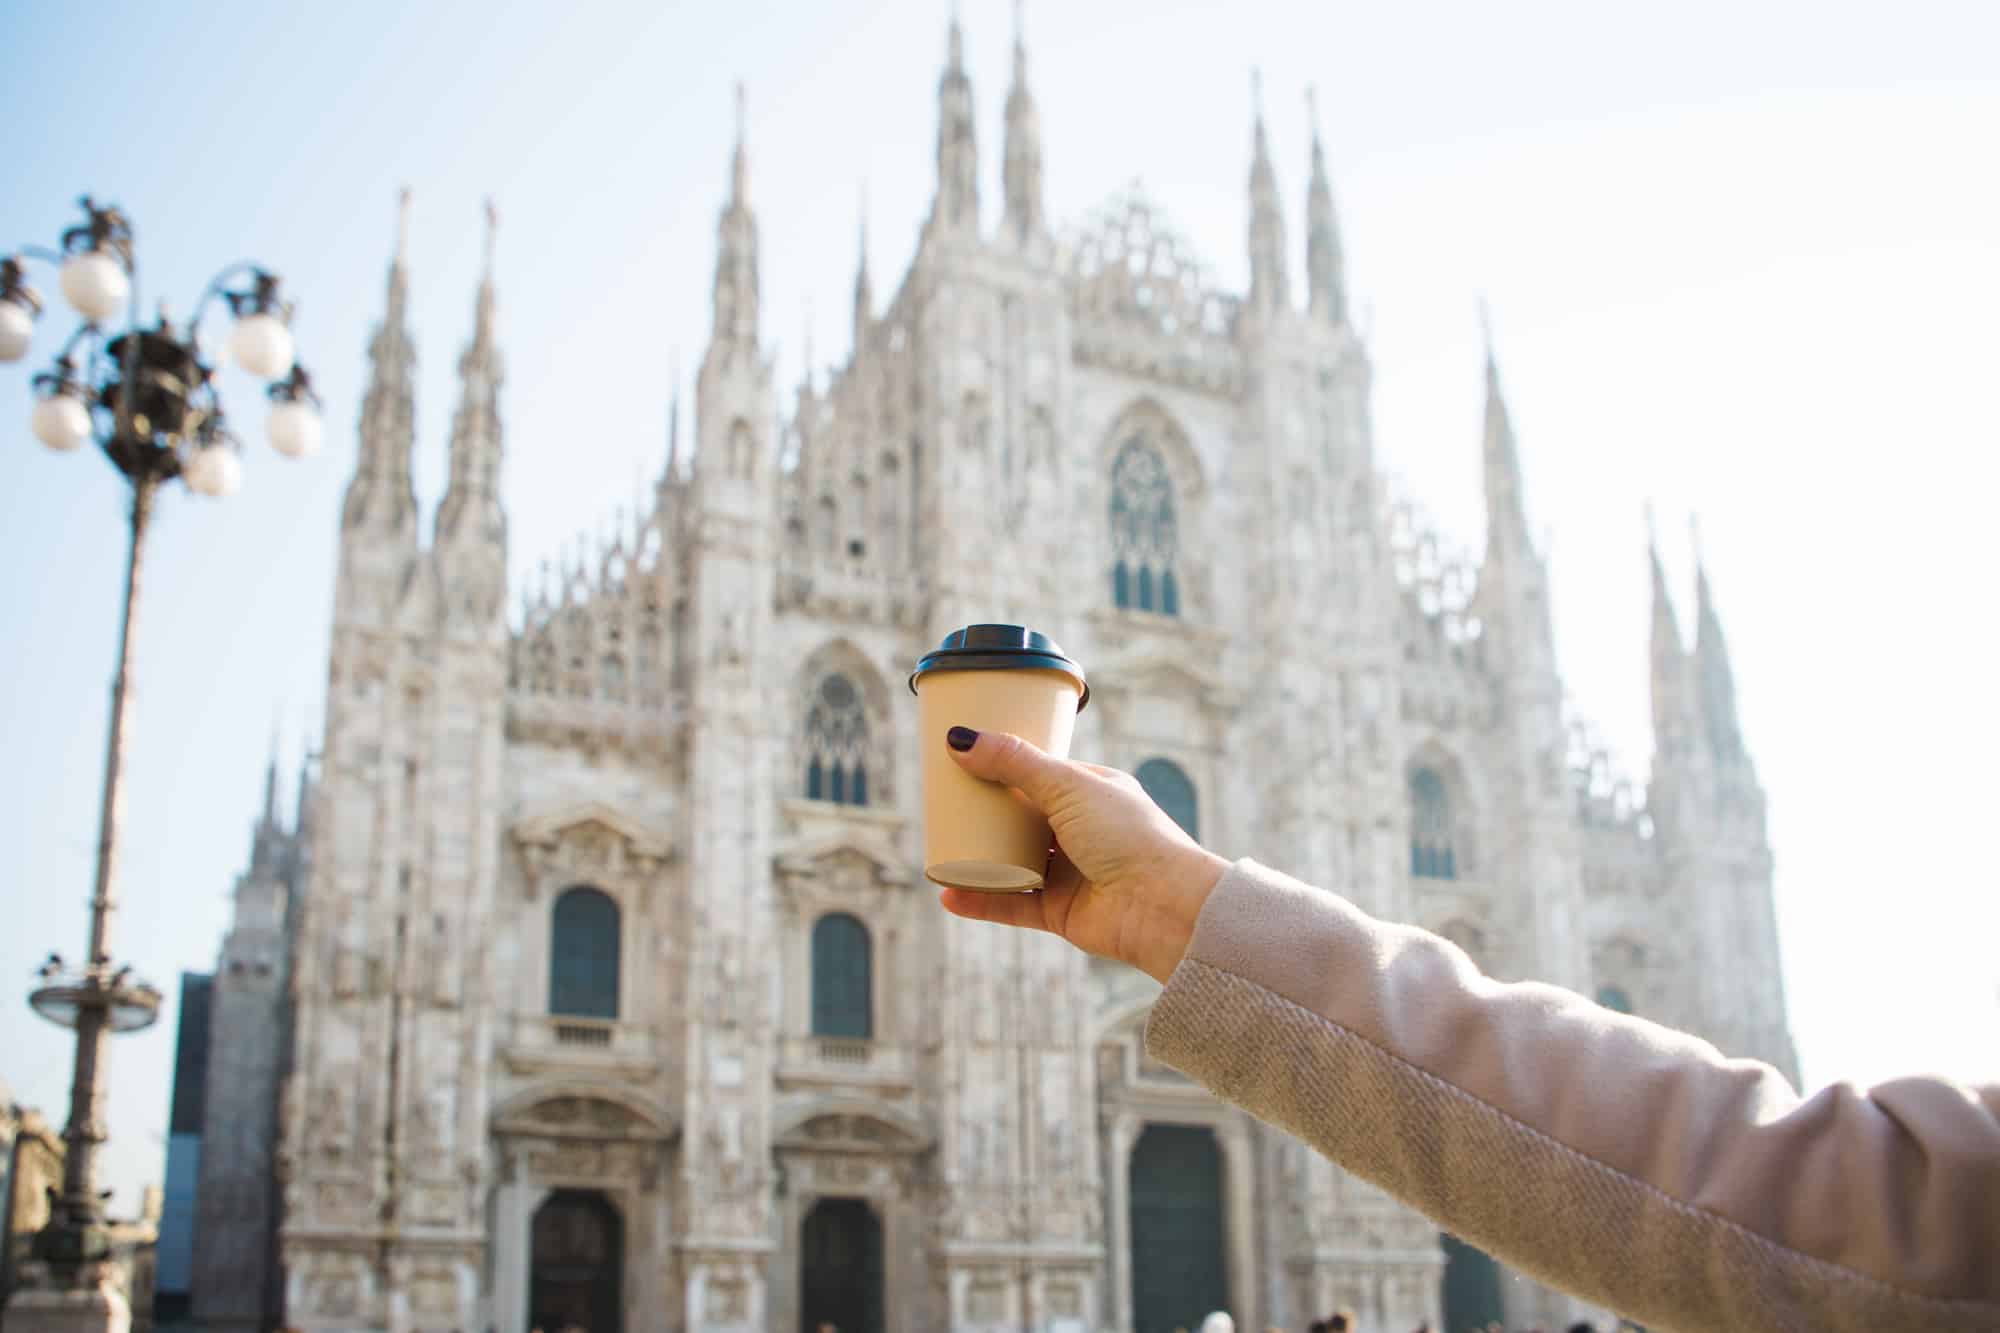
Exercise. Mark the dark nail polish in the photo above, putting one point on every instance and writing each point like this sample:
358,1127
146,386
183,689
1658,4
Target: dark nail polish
960,738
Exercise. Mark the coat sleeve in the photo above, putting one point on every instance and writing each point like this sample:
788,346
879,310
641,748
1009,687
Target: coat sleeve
1630,1164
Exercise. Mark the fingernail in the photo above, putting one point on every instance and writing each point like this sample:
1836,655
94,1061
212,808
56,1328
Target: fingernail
960,738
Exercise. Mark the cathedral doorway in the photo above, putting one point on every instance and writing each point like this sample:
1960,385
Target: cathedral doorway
1471,1286
1179,1271
576,1263
840,1267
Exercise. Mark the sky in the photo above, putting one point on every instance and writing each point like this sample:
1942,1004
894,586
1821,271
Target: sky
1741,260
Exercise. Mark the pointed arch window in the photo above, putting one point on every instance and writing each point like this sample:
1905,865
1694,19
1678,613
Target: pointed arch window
1431,855
837,743
1144,538
841,978
1173,791
826,526
583,954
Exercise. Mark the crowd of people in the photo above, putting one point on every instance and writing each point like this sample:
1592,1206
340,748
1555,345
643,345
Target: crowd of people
1343,1321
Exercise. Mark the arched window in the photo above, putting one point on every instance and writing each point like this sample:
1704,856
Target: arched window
1144,540
889,512
583,955
840,978
1172,791
1615,999
837,743
1430,827
857,519
826,526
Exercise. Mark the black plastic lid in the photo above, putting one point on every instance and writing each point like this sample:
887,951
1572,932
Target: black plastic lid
999,648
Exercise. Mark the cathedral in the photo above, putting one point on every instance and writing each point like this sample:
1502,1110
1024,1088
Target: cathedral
598,982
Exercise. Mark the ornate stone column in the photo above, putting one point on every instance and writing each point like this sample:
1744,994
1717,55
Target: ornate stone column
1120,1135
513,1214
1238,1163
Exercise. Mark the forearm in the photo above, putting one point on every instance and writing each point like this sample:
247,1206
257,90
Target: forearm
1616,1159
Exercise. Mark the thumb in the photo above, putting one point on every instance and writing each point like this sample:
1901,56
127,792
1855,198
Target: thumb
1000,756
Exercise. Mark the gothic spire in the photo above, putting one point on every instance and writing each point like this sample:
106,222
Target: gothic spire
270,816
471,501
1023,166
735,300
269,828
1506,514
956,207
482,325
1715,680
302,798
382,490
806,354
864,293
672,471
1327,294
1670,666
1270,285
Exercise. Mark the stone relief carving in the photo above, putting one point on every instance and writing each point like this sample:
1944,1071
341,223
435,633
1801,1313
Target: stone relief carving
587,845
431,1128
329,1288
435,1205
986,1302
336,1201
580,1115
330,1120
728,1301
433,1293
567,1160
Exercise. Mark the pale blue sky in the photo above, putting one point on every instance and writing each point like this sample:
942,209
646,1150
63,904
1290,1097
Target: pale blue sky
1744,259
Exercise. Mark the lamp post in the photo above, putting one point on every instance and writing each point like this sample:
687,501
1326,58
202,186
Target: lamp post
147,398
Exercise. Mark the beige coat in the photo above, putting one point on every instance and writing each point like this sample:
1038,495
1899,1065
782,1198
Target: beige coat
1630,1164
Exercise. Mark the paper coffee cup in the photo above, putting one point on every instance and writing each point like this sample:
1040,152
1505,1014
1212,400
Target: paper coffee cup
980,835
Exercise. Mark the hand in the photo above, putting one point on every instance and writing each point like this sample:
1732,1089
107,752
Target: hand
1125,881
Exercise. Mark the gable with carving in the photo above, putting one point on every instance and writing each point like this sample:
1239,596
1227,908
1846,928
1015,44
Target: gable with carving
582,1113
1143,303
588,843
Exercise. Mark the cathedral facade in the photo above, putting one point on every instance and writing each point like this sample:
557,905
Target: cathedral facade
610,990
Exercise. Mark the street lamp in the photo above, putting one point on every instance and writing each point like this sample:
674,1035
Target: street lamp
147,398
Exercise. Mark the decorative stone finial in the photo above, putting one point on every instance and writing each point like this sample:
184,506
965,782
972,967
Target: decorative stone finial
739,174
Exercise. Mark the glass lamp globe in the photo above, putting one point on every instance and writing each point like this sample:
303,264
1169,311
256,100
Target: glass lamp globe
262,345
95,283
61,421
17,329
294,429
214,470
